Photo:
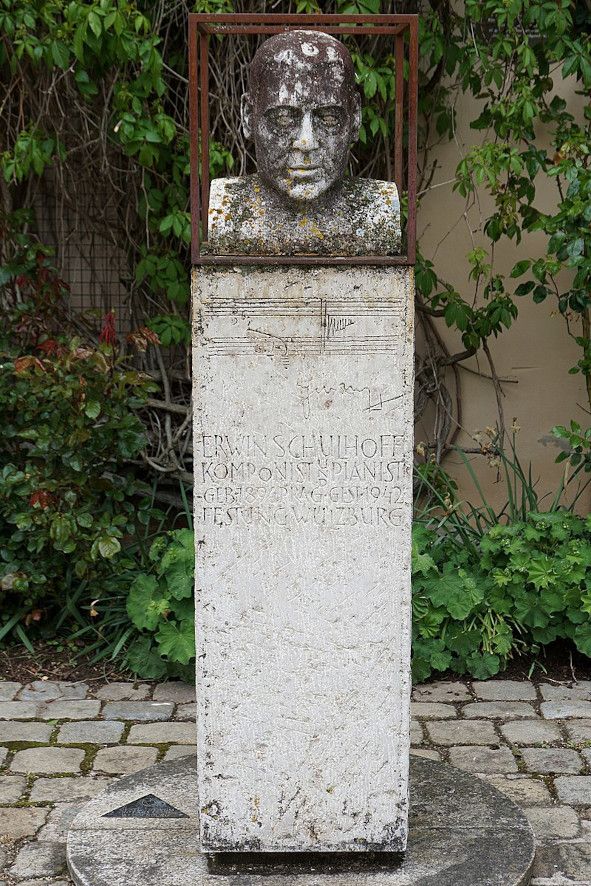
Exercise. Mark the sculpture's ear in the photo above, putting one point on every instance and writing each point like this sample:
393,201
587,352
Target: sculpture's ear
356,125
246,114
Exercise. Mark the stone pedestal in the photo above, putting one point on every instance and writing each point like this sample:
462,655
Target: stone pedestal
303,488
144,830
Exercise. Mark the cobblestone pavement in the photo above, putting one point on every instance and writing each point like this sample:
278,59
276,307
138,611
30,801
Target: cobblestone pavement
63,743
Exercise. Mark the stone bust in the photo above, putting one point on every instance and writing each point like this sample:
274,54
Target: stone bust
303,112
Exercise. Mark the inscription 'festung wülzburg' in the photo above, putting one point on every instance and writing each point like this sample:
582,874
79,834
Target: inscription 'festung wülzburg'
334,480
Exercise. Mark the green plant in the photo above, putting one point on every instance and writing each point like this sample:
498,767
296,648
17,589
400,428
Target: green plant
113,74
528,585
160,605
492,583
66,501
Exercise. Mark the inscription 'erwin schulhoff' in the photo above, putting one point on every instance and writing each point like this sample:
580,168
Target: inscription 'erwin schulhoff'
335,480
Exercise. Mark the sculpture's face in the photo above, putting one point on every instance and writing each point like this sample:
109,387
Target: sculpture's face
303,113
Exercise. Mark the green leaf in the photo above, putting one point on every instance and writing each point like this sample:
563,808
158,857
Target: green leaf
455,590
93,409
84,519
177,565
483,666
177,642
582,638
520,267
542,571
95,23
144,661
60,54
108,546
146,603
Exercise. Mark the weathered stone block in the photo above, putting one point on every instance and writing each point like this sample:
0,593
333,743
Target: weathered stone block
523,790
8,690
179,693
550,760
12,787
427,710
138,710
68,710
529,732
579,730
561,710
23,731
504,690
504,710
123,692
479,759
124,760
48,690
47,760
303,468
553,822
40,860
90,732
63,790
563,864
574,789
162,733
18,823
181,750
578,692
18,710
442,691
186,712
464,732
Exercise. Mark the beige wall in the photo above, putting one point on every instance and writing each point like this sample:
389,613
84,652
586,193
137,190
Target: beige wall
536,352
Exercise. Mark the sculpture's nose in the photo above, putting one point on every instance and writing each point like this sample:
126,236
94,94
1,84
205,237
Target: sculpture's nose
306,139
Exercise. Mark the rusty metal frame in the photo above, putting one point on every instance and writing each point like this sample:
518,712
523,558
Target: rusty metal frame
203,25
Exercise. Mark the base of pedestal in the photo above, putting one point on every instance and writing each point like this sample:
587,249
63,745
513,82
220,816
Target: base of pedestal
143,830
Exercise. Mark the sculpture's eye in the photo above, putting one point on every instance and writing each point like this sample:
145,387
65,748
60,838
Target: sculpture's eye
282,118
329,117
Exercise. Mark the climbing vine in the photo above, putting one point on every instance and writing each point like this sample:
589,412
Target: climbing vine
94,93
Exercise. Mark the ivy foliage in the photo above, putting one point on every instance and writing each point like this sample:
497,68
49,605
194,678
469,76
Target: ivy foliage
116,59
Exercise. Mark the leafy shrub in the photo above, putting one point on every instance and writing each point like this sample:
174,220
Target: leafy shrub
527,584
69,425
160,605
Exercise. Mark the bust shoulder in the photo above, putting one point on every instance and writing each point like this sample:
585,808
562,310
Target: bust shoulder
361,217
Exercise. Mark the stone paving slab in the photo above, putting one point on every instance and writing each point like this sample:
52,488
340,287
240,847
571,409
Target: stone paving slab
47,760
21,730
531,732
124,692
147,711
530,740
504,690
8,690
41,690
90,732
500,710
552,761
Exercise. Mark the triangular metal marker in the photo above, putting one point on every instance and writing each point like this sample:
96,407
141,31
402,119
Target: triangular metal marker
149,806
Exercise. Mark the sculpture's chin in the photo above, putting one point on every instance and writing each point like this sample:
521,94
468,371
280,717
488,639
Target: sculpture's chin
304,189
305,193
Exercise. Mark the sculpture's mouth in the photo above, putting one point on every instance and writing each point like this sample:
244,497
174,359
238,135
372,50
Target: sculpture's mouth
304,171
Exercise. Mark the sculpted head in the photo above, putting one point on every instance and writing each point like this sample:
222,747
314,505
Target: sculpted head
303,111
